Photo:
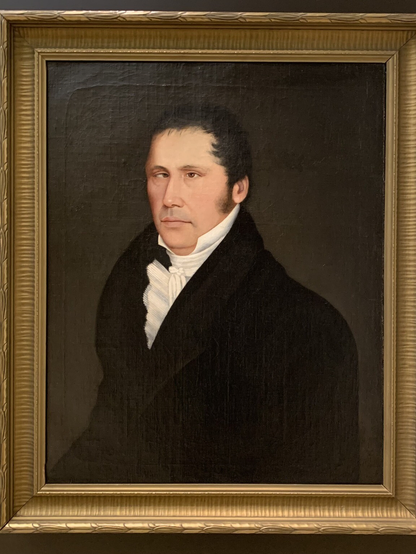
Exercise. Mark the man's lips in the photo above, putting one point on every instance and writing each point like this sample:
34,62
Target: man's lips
174,221
169,218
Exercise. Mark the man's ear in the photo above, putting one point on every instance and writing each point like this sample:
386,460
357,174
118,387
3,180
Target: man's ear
240,190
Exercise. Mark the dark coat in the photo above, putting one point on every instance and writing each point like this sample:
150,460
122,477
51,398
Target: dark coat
252,378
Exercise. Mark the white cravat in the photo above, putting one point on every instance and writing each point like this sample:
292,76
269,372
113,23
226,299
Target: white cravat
165,285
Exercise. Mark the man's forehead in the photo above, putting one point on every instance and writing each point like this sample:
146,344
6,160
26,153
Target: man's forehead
191,142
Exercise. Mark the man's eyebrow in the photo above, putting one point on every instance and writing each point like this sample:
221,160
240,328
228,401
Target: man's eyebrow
189,166
158,167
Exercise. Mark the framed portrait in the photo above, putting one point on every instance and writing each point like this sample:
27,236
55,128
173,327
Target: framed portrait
207,277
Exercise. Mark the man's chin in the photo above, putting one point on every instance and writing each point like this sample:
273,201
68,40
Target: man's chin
178,246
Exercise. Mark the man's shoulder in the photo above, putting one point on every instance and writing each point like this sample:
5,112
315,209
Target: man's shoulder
128,273
280,303
137,253
142,246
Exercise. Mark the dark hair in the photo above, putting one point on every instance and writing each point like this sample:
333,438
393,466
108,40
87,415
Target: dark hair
231,146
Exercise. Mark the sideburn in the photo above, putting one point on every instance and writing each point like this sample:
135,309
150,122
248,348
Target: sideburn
226,203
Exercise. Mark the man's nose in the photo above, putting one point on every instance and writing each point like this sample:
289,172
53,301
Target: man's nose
173,192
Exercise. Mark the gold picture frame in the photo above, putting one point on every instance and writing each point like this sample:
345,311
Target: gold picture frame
27,41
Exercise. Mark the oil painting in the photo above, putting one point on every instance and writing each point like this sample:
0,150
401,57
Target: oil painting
215,272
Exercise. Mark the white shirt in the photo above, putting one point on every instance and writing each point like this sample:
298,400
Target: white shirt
165,285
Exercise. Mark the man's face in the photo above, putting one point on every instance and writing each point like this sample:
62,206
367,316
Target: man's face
187,188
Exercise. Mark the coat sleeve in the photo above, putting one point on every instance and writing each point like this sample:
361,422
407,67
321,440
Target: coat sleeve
104,447
315,437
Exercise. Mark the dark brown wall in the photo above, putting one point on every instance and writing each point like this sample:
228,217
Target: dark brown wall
218,544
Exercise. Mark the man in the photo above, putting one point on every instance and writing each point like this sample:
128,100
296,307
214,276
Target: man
218,367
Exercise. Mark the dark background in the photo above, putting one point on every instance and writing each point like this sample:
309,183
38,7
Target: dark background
120,544
317,134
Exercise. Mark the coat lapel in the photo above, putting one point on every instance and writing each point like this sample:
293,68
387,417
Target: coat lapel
143,254
187,328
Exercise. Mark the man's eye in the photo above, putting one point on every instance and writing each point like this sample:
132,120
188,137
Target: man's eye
192,174
161,175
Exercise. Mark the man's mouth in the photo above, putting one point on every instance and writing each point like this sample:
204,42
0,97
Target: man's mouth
170,221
